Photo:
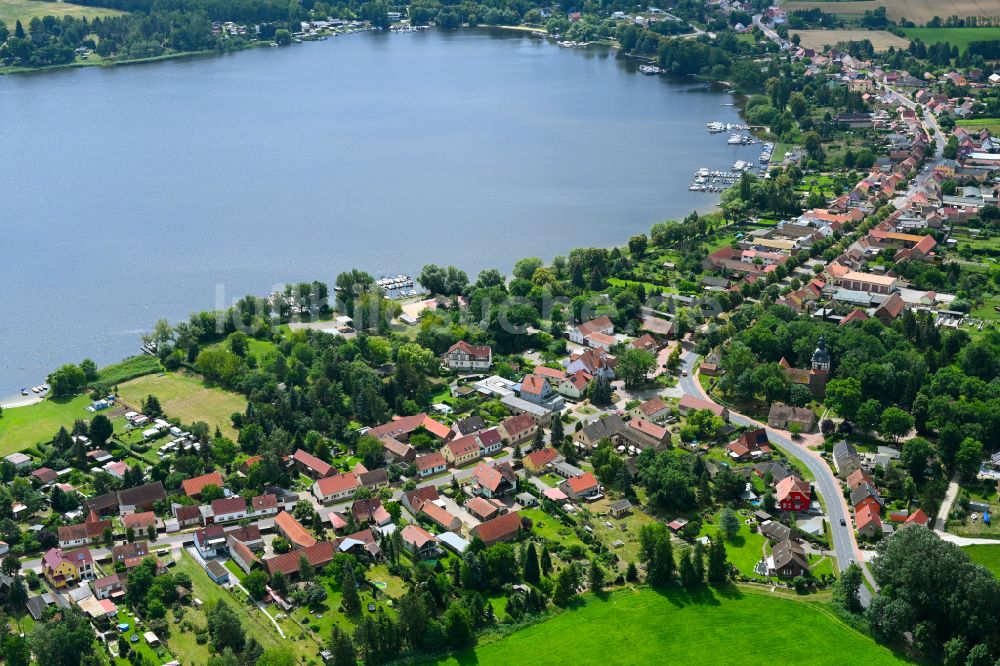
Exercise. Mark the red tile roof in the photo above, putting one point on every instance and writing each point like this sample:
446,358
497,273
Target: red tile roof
652,406
542,457
194,486
463,446
477,352
430,461
582,483
318,555
440,516
262,502
312,462
789,485
139,520
502,527
533,384
228,505
515,425
334,485
918,517
293,530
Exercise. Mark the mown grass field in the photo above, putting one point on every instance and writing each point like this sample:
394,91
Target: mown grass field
746,548
186,398
818,39
918,11
960,37
736,626
21,427
988,556
25,10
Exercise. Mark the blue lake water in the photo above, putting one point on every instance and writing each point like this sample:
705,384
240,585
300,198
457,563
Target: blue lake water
140,192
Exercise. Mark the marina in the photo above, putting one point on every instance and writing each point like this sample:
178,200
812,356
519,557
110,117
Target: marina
706,180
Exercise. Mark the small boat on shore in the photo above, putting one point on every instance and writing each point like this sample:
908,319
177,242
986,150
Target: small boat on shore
24,391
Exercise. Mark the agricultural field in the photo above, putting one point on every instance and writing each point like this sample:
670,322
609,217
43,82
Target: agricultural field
25,10
880,39
992,124
960,37
21,427
186,398
918,11
678,627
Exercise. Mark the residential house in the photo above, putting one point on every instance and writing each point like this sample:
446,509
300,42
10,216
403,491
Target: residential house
109,586
419,541
858,477
140,498
248,535
646,342
19,460
262,506
584,333
518,429
336,488
643,434
440,516
227,509
210,541
793,494
866,494
240,553
620,508
580,487
608,427
482,508
463,357
690,403
139,523
654,410
136,550
788,560
574,386
751,445
44,475
430,464
493,480
292,530
501,529
318,555
918,517
490,441
461,451
90,530
193,487
775,531
867,522
414,499
311,466
370,511
776,470
401,427
245,466
595,362
536,462
62,567
187,515
375,479
395,451
785,417
890,309
845,459
535,389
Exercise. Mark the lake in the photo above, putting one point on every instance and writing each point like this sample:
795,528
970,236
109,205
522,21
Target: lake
149,191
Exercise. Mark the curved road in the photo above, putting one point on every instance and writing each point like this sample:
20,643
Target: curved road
827,485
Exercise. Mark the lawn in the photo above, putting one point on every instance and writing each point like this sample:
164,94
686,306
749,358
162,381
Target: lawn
186,398
988,556
960,37
184,644
25,10
735,626
551,528
744,550
157,656
21,427
625,529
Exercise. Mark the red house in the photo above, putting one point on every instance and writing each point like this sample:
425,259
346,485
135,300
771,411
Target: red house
793,494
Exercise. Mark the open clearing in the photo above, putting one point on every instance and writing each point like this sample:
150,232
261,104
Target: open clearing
918,11
880,39
706,627
992,124
988,556
960,37
25,10
186,398
21,427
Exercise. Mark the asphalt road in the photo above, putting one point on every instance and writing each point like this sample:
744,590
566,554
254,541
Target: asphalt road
827,484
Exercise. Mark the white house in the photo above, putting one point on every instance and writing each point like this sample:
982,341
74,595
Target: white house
465,357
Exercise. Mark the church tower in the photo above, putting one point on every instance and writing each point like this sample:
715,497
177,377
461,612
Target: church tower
821,357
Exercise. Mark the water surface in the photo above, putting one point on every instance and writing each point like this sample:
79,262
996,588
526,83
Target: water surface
140,192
